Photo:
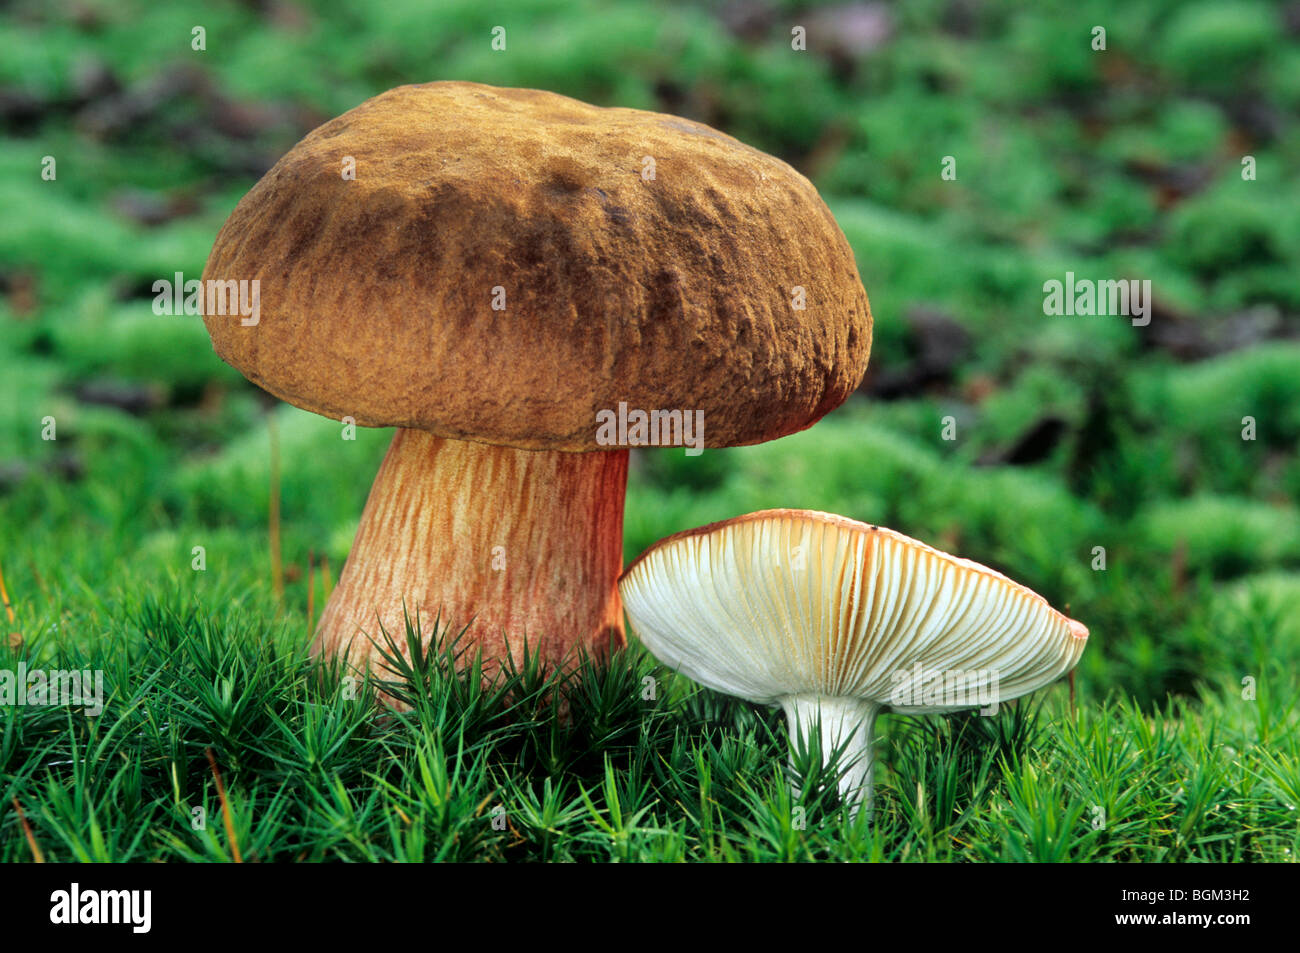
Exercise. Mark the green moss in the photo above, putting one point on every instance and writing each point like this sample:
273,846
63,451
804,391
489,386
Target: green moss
1229,228
1224,536
1210,45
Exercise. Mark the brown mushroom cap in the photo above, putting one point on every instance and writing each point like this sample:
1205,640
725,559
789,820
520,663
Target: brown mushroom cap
673,293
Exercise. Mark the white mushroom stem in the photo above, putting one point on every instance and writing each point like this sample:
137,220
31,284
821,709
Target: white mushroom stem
847,727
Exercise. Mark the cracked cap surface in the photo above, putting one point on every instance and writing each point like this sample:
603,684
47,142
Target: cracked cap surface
667,293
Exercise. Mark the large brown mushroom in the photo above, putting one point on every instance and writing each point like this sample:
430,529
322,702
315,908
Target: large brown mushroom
506,265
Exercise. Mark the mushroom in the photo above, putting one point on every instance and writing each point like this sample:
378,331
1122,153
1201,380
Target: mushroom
833,620
500,274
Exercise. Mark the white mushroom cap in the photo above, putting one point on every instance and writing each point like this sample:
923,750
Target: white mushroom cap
797,608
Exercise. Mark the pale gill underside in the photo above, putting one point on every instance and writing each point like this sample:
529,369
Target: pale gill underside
796,602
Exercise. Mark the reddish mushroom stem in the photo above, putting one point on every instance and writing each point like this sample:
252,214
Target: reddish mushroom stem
516,544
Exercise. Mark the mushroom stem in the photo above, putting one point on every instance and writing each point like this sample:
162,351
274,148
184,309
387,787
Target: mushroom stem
846,727
517,544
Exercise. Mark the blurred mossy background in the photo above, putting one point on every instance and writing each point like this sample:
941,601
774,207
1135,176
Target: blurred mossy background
1072,433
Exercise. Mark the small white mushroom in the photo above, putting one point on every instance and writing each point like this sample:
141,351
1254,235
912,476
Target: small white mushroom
834,620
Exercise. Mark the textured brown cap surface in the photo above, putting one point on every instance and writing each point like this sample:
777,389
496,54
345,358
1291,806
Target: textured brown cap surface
674,293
